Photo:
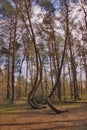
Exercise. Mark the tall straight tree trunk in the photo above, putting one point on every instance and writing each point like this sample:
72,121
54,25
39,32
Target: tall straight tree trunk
8,74
19,82
70,79
73,67
81,90
13,70
8,78
64,93
51,72
85,20
46,84
8,69
13,60
26,85
85,66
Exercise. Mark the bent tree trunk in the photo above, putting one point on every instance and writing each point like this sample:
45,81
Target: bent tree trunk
57,111
56,84
31,97
53,108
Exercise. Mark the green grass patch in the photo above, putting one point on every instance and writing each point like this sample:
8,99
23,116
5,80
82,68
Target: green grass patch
15,107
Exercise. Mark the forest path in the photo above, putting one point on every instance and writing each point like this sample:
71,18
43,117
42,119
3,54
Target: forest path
22,117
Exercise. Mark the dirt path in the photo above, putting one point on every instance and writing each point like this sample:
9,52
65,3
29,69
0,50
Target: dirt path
44,119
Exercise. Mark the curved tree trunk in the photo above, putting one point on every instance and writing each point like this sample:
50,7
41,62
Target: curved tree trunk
38,59
30,31
31,97
53,108
60,68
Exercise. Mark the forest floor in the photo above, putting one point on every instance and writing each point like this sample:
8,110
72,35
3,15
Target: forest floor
19,116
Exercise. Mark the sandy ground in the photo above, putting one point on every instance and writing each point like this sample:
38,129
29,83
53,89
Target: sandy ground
45,119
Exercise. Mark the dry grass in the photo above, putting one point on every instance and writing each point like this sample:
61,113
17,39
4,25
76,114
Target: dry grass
22,117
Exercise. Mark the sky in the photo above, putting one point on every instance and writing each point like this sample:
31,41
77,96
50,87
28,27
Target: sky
37,10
